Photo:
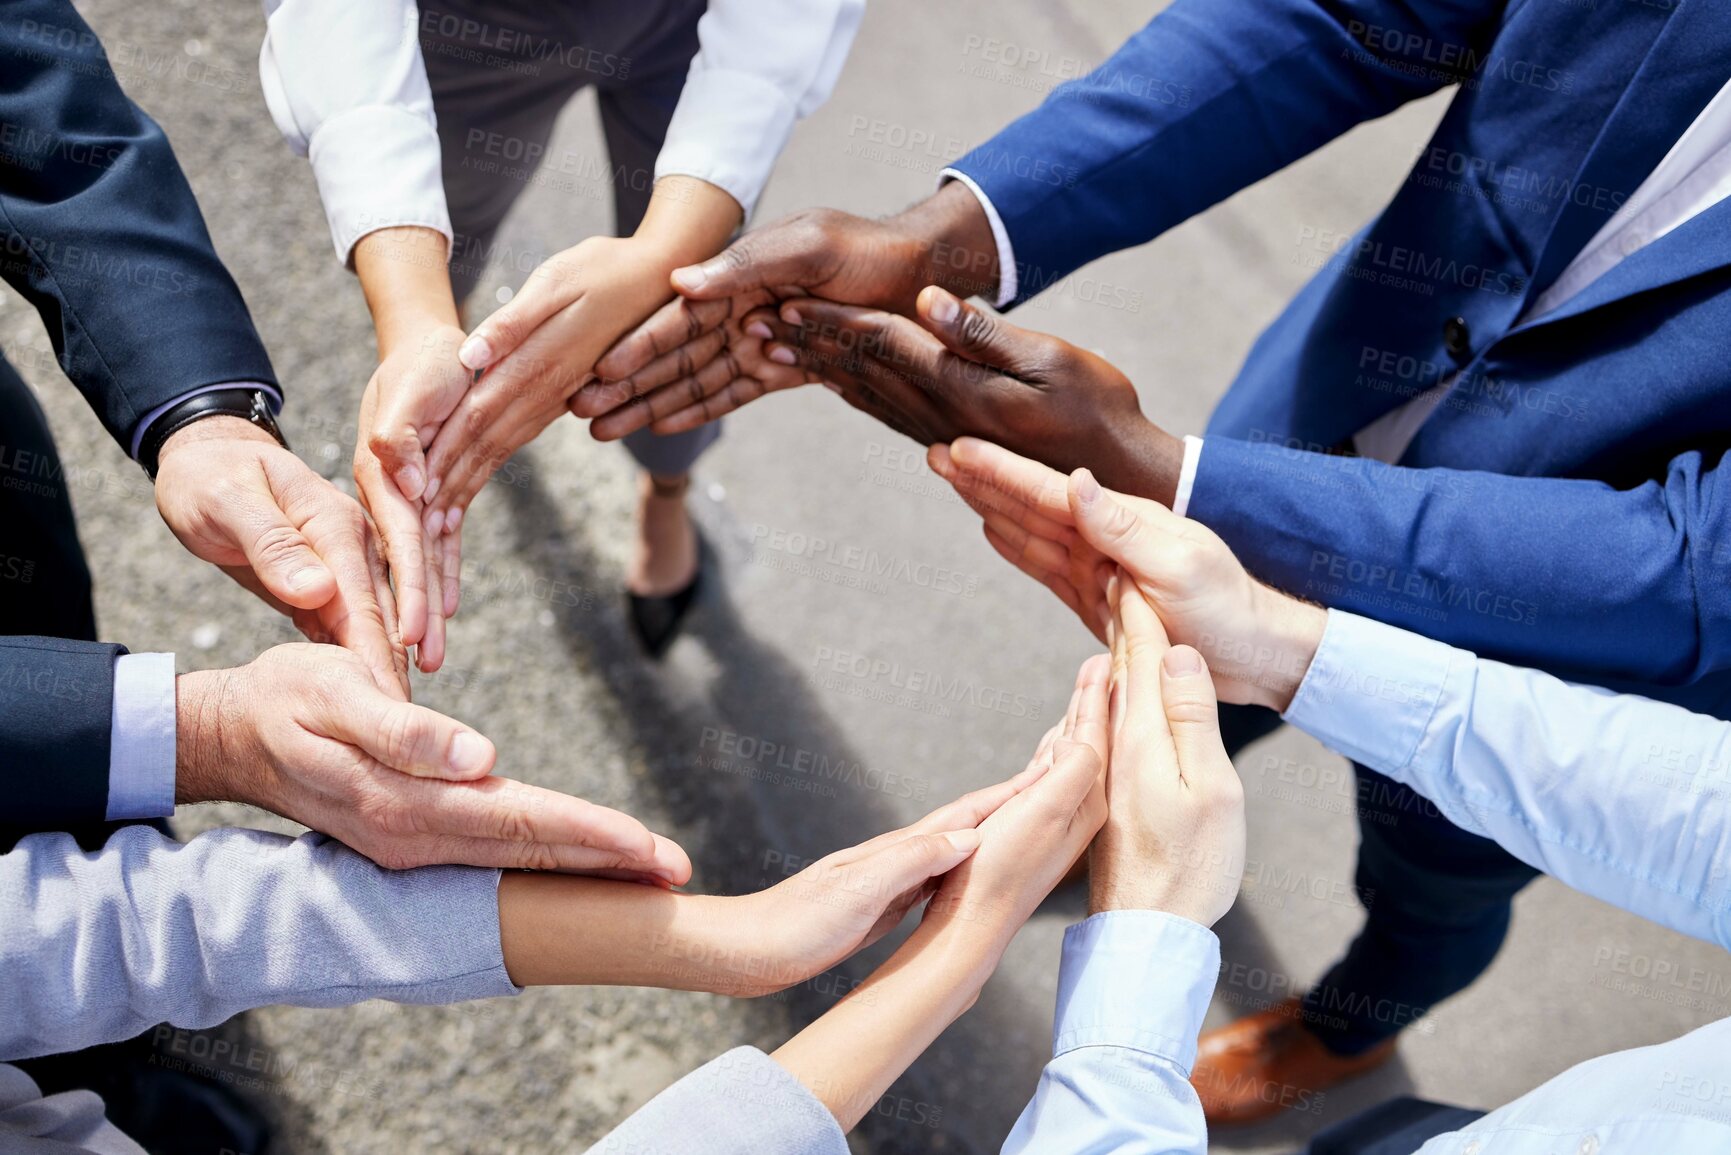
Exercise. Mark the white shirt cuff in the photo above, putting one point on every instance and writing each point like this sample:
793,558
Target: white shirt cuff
1371,691
728,129
1009,283
1138,979
378,168
141,738
1187,475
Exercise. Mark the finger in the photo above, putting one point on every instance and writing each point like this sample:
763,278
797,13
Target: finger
399,529
1075,771
1037,551
403,737
977,335
779,255
1092,711
451,564
1143,640
285,562
675,324
430,654
1192,714
646,407
507,810
542,295
736,394
1134,538
905,864
676,365
387,603
994,473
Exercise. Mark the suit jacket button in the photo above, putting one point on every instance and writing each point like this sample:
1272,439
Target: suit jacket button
1458,339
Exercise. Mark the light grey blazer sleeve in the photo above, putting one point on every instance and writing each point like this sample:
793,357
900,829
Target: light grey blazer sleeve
740,1103
101,946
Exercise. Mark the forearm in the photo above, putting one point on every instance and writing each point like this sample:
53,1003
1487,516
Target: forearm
561,930
407,284
850,1056
1620,797
147,930
1460,556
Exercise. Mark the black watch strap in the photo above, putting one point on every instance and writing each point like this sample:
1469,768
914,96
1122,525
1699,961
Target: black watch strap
248,404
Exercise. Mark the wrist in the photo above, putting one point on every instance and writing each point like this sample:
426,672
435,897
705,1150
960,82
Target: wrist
404,275
1291,631
203,769
1142,459
688,220
216,427
958,250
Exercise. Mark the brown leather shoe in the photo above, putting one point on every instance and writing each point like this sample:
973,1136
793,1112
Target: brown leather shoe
1268,1062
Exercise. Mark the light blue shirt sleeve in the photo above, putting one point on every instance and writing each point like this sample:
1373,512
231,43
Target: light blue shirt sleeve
100,946
1618,796
141,738
1133,988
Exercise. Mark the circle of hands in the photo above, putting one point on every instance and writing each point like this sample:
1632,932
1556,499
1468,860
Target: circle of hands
1029,430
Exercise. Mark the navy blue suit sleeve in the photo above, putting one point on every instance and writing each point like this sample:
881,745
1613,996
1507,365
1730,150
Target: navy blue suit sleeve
1210,97
101,232
56,714
1573,576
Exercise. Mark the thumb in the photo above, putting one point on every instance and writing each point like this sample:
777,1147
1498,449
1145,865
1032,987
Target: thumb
410,738
286,565
398,447
1192,714
510,325
755,261
904,865
1112,527
971,332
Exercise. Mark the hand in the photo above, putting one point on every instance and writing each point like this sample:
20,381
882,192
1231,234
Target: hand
1174,834
240,501
1030,841
945,240
417,386
849,1057
304,732
679,384
844,902
538,350
959,371
1070,534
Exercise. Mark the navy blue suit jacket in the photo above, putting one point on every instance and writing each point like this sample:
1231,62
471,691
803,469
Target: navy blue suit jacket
1565,506
100,232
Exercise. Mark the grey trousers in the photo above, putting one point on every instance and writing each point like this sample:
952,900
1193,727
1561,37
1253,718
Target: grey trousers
501,71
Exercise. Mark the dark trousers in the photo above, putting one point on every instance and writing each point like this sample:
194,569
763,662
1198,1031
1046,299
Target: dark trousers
1437,904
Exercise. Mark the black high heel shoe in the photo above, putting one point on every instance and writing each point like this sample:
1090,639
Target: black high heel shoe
656,619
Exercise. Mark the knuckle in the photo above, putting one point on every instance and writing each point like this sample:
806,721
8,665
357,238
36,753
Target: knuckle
978,329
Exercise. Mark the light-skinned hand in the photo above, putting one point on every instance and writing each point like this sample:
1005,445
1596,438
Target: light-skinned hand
304,731
1070,534
1173,839
237,499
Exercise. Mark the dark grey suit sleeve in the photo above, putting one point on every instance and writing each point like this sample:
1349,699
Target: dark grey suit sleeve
100,232
56,716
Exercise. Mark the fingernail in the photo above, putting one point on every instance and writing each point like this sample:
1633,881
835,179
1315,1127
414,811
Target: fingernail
791,316
1182,662
434,522
409,477
963,840
300,579
1087,489
783,356
432,488
690,277
834,388
759,330
469,752
945,308
475,353
453,518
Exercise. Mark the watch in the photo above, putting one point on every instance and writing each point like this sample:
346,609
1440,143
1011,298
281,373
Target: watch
248,404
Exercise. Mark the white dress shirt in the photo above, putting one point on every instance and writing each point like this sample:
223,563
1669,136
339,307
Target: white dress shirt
347,87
